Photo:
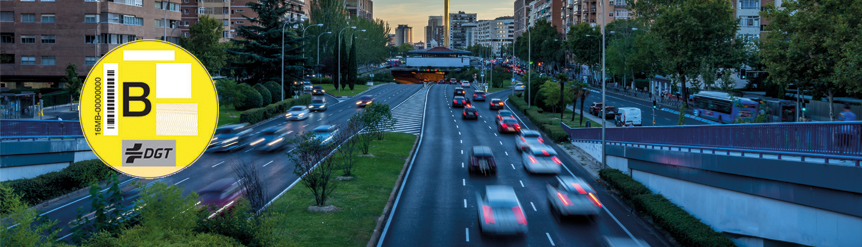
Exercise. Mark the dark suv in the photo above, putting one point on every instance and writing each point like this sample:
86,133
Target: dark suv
479,95
482,160
470,113
496,104
459,91
460,101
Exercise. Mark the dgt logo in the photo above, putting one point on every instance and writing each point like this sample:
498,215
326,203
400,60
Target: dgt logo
149,153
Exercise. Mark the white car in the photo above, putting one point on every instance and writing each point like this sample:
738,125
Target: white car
541,159
465,84
573,196
519,87
297,113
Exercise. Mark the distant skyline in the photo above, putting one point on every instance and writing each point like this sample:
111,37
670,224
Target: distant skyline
415,13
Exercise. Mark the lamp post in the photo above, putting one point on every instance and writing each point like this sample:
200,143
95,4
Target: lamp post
282,58
318,51
303,47
339,56
604,106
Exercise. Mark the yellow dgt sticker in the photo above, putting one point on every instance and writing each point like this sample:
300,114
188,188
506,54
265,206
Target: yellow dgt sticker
148,108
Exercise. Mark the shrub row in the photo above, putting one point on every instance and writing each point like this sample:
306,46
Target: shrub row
684,227
256,115
545,124
53,184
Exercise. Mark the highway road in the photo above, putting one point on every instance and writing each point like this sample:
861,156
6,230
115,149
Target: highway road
437,204
276,168
662,118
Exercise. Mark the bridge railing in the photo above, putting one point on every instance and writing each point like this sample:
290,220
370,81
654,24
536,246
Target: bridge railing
25,129
828,140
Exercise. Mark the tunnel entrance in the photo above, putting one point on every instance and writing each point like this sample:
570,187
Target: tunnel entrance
416,77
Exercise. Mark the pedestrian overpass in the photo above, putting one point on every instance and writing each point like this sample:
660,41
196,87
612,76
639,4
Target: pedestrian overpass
29,148
760,184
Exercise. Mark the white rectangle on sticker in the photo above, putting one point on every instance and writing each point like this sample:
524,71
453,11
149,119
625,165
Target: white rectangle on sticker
177,119
173,80
148,55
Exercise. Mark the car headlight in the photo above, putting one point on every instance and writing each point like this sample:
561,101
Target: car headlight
276,141
288,114
258,141
232,139
358,102
322,91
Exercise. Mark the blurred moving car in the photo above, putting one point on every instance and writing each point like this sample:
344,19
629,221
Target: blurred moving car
460,91
470,113
325,133
541,159
365,100
624,242
528,138
573,196
460,101
297,113
631,115
230,138
453,80
465,84
318,105
495,104
519,88
270,139
479,95
504,114
482,160
307,87
508,126
317,90
221,195
500,212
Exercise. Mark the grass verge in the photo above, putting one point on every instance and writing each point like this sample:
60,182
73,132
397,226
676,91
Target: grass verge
567,117
548,122
329,88
228,115
360,201
497,89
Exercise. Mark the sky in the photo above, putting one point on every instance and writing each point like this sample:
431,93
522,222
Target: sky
415,13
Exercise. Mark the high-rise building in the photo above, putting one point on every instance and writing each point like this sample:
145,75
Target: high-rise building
434,31
232,14
591,12
392,39
496,33
361,8
460,29
522,16
403,34
550,11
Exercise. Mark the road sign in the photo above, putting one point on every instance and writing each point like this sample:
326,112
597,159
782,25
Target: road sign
513,80
372,75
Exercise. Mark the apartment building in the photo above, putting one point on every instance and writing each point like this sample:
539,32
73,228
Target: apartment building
591,12
496,33
403,34
232,13
360,8
548,10
522,16
461,29
39,38
435,30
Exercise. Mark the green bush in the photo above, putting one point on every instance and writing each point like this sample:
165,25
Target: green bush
555,132
252,98
625,184
274,90
256,115
253,116
152,236
53,184
265,95
321,80
684,227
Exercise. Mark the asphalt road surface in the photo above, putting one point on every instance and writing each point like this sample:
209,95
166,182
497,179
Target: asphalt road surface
437,205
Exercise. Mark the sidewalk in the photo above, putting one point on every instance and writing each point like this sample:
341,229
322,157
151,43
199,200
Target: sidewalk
607,123
59,111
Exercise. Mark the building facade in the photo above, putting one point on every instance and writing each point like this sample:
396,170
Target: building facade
550,11
435,30
361,8
522,16
591,12
403,34
419,45
392,39
496,33
461,29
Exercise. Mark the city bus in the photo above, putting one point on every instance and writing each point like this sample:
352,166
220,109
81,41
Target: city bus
724,108
394,62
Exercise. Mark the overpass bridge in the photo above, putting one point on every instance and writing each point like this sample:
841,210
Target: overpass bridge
760,184
29,148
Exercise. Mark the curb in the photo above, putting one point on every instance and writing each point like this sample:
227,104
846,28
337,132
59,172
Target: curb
375,236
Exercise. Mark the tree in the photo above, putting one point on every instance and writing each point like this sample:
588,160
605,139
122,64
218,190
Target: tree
351,65
228,93
404,48
275,90
203,42
250,98
261,47
550,92
584,44
165,206
814,45
22,225
341,81
545,44
363,140
109,213
250,178
265,96
72,82
377,119
621,48
313,165
346,136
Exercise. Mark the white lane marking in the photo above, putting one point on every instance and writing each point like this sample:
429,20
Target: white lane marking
453,115
489,127
534,206
304,125
549,239
522,182
484,121
249,150
218,164
67,204
495,134
462,164
462,151
456,126
289,132
453,120
463,182
267,163
67,235
181,181
507,153
468,234
462,141
501,142
459,132
513,166
465,203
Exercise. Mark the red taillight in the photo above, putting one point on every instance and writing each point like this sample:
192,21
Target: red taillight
465,113
455,101
595,200
463,102
545,152
522,139
517,126
579,188
474,95
533,159
564,198
556,160
519,215
540,140
489,214
477,113
503,125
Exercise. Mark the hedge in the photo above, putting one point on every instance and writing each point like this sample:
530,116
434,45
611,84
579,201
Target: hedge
321,81
550,127
686,229
256,115
53,184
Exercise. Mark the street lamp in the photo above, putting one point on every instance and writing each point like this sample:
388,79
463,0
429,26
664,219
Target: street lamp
303,47
529,61
282,57
318,51
339,56
604,106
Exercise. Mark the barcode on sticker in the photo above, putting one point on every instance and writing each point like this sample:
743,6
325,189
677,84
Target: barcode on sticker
110,99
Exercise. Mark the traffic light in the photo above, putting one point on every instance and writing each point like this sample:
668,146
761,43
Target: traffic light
742,74
803,106
653,104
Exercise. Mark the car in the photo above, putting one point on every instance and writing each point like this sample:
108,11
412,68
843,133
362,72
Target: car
317,105
470,113
528,138
628,116
520,87
298,112
500,211
325,133
317,90
504,114
221,195
595,108
441,82
460,101
479,96
453,80
460,91
270,139
508,126
541,159
465,84
365,100
307,87
230,138
570,196
482,160
610,112
495,104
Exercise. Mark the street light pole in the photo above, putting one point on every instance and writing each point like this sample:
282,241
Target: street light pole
318,51
604,106
339,56
165,22
303,47
282,59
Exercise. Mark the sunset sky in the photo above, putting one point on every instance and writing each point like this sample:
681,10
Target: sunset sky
415,13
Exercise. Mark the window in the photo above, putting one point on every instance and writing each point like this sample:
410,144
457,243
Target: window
749,21
7,58
49,60
202,10
91,39
185,11
91,18
7,38
232,11
48,18
225,22
159,23
240,10
28,39
240,22
28,17
7,16
28,60
49,39
185,34
749,4
185,1
90,61
132,20
47,0
186,23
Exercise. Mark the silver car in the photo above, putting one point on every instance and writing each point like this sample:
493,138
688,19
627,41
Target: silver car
519,87
573,196
528,138
270,139
500,212
297,113
541,159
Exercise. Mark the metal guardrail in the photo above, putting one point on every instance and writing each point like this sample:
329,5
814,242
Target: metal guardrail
837,140
26,129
